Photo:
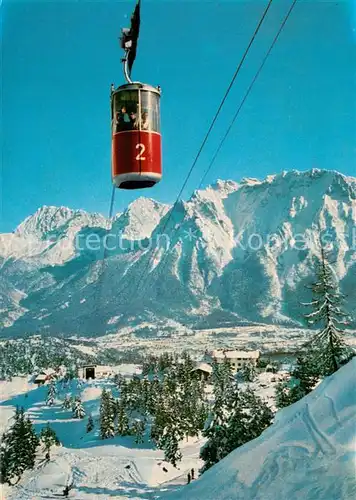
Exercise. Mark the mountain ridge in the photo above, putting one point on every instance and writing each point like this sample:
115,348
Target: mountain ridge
231,249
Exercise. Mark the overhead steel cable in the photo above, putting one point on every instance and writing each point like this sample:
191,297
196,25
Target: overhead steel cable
257,29
237,71
241,104
247,93
100,280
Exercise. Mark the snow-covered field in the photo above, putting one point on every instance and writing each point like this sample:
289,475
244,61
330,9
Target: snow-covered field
309,452
98,468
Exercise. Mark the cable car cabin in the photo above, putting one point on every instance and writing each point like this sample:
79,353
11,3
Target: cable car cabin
136,138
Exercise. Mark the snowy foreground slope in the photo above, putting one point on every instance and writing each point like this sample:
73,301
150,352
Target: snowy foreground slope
309,452
233,254
97,468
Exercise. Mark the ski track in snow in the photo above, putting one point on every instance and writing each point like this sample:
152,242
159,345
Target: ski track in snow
320,438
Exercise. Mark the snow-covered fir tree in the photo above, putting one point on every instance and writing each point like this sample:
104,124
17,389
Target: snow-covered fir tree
90,424
303,380
52,391
248,372
107,425
327,346
67,403
49,439
217,426
18,450
138,430
169,443
78,411
122,427
244,417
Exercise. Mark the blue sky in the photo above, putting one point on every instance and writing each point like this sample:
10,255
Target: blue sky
60,57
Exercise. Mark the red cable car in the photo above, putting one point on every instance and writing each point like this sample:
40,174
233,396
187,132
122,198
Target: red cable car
136,138
135,115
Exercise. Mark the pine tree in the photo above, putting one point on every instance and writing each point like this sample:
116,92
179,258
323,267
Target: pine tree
67,403
122,420
78,411
18,449
327,345
303,380
170,444
49,439
73,402
5,471
248,372
107,428
90,424
138,430
244,418
225,390
51,393
282,395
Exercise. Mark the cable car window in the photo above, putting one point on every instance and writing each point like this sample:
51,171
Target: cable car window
149,111
126,115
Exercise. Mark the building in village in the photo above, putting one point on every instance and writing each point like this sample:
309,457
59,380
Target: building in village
45,376
236,359
95,371
203,371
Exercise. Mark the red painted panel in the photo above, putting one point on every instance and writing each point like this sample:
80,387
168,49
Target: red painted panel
136,151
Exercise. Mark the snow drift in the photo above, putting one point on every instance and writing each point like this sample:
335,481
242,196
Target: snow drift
309,452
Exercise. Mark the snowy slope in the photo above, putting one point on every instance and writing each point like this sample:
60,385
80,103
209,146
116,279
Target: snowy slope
98,468
231,254
309,452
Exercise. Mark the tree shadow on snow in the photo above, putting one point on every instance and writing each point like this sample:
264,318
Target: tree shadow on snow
144,492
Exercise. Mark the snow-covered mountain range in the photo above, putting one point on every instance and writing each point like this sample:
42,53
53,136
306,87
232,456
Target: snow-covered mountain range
235,253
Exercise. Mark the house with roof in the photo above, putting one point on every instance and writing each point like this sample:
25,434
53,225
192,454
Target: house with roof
45,376
236,359
95,371
203,371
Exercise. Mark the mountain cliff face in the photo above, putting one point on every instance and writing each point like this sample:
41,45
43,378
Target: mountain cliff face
234,252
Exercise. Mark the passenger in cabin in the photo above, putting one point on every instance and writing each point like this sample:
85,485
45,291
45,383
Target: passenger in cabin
133,121
122,120
145,122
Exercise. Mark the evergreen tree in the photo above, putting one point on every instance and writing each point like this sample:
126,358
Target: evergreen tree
245,417
138,430
225,390
51,393
67,403
248,372
328,346
303,381
282,395
78,411
122,420
73,402
107,429
90,424
18,449
169,442
149,365
5,470
49,439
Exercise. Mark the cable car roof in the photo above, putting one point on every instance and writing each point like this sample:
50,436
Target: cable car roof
137,86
